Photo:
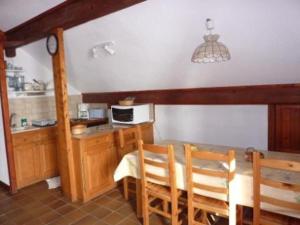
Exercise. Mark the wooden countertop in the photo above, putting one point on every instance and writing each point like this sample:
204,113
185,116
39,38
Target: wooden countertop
101,130
88,122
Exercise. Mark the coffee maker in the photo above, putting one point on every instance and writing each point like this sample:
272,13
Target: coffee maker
83,111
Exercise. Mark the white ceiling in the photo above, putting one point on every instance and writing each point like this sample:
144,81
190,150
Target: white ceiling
155,41
15,12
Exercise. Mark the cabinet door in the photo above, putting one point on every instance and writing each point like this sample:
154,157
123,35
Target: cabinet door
287,128
27,164
48,158
99,163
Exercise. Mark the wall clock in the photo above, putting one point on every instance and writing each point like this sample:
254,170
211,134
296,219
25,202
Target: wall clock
52,44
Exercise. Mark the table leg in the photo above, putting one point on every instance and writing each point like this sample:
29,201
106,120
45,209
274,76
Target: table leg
139,210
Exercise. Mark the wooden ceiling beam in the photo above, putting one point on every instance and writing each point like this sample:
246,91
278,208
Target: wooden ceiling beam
255,94
66,15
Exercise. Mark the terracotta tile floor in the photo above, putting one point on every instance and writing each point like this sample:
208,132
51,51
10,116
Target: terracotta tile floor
37,205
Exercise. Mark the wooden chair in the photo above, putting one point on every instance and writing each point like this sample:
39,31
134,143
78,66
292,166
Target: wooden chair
151,192
264,217
128,139
199,206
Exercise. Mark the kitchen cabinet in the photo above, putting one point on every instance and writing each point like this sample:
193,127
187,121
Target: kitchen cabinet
27,164
35,156
96,158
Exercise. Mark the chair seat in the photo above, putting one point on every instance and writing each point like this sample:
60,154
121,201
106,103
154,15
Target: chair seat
211,205
160,191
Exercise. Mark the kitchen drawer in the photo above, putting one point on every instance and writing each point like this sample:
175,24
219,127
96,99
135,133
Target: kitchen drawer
104,139
47,134
25,138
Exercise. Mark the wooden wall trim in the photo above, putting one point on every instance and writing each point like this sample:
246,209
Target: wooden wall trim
66,15
5,117
256,94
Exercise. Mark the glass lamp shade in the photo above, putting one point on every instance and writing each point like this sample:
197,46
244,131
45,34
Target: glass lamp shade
211,51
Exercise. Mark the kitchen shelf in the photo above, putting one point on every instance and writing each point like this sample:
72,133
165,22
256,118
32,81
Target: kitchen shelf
14,70
18,93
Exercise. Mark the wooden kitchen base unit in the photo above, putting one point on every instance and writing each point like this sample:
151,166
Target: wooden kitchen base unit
96,156
95,160
35,156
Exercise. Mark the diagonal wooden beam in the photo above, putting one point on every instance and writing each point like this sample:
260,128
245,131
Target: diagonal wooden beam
66,15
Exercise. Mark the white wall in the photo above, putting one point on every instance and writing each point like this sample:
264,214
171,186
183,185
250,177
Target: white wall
155,41
4,176
230,125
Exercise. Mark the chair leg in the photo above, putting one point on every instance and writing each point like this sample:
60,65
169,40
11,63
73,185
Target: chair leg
190,214
174,214
125,188
145,209
165,206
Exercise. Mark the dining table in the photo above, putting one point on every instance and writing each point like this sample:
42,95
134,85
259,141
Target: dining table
241,190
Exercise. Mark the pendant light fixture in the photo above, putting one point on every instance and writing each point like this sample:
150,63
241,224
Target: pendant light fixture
211,50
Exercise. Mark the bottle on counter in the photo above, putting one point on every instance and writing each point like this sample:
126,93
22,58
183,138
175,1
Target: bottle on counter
23,122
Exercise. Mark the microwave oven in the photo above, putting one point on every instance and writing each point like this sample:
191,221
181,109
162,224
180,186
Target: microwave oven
133,114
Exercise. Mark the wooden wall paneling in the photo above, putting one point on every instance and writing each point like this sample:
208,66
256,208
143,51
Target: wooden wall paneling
66,15
271,126
287,128
65,153
5,117
257,94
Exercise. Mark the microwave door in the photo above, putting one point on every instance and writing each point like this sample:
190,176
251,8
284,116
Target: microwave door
122,115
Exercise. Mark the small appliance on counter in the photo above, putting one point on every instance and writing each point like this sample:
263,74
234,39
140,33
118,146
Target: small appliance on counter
83,111
134,114
97,113
43,123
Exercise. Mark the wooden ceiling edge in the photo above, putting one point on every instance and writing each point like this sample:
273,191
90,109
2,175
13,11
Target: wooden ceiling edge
38,27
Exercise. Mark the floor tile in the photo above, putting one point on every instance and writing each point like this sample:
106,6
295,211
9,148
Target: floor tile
101,212
65,209
113,205
113,218
89,207
49,217
87,220
36,205
56,204
75,215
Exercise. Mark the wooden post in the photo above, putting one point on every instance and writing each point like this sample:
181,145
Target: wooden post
65,154
5,117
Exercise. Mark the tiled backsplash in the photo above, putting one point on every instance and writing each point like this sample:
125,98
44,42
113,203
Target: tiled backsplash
40,107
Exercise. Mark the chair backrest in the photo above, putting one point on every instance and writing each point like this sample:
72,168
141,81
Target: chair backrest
166,166
258,180
191,169
128,139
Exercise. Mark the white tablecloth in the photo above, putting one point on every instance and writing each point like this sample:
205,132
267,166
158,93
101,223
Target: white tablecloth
243,182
